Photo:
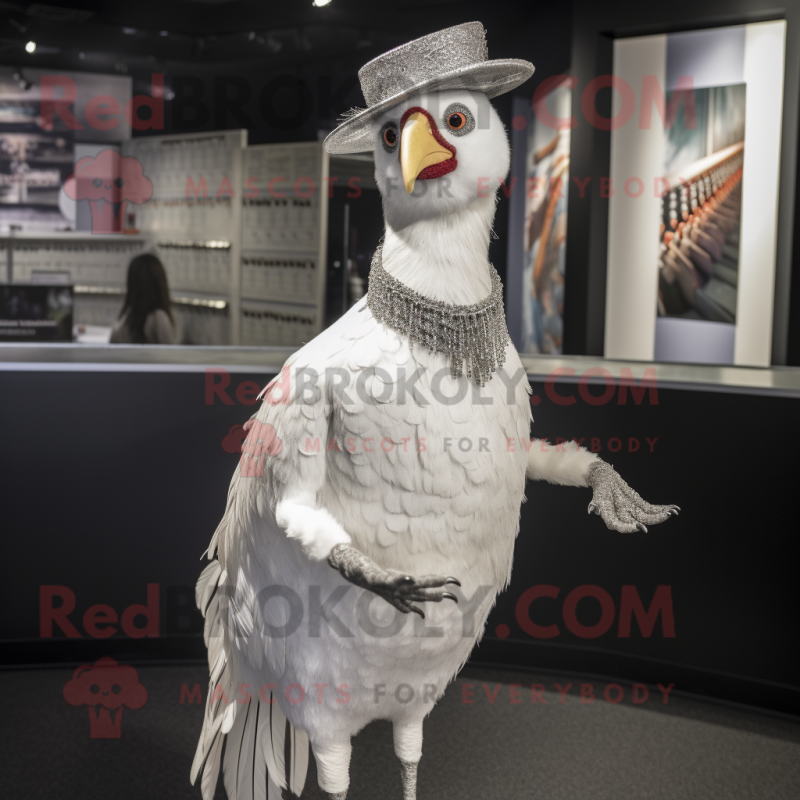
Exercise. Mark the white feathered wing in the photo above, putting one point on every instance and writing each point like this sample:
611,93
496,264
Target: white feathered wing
263,752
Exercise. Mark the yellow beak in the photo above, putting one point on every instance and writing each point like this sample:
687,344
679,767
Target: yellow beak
419,149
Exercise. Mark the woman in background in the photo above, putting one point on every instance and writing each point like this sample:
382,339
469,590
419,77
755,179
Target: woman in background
146,317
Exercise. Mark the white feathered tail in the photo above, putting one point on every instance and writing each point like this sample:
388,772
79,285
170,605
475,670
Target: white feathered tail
263,751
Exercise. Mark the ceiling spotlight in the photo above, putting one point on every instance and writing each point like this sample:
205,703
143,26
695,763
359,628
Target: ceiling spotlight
81,56
320,3
251,35
30,47
163,33
129,31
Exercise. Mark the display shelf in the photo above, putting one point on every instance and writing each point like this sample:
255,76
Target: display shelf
280,324
199,164
197,265
200,300
281,222
284,243
201,319
232,225
96,265
195,218
69,236
114,291
192,215
246,225
290,278
286,197
202,323
97,306
88,259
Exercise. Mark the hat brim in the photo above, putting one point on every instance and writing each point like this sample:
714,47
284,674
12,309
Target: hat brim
491,78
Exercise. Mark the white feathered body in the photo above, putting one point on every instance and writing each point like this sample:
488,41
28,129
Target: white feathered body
421,484
366,440
423,475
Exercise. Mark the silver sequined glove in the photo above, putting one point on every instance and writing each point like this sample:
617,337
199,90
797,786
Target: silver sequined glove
621,508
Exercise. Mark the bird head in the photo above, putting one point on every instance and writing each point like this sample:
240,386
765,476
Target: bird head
437,154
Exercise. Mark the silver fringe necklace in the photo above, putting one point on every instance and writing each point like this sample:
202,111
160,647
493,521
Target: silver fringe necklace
474,336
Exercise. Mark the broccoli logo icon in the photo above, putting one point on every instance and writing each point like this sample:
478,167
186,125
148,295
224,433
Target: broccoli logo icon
107,689
109,182
262,441
232,443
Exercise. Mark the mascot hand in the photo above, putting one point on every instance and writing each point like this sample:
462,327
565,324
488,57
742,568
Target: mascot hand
621,508
397,588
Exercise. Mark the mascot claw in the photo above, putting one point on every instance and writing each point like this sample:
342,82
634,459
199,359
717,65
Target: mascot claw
620,507
396,588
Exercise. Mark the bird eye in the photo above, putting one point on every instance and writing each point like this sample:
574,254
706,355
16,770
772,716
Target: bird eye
458,119
389,137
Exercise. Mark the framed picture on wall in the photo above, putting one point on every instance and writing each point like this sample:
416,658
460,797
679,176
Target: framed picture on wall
538,231
693,195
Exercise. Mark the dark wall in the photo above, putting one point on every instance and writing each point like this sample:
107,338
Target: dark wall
116,480
291,96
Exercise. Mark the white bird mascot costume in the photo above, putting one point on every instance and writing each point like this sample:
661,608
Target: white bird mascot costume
356,500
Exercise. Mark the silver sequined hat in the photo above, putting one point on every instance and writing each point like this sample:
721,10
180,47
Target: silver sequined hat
455,58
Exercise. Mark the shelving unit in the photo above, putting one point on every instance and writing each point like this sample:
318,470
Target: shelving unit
96,264
284,242
194,219
242,233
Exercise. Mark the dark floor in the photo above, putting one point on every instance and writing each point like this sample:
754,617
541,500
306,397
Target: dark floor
567,749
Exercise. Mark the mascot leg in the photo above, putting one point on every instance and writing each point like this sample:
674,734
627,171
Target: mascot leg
333,766
408,747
